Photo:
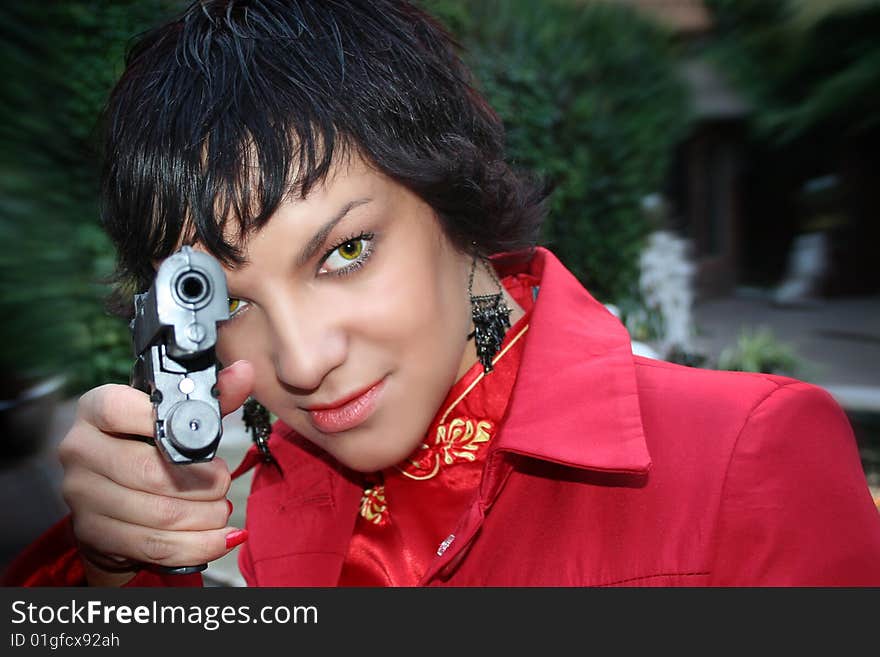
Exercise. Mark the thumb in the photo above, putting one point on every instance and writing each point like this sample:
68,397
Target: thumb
235,384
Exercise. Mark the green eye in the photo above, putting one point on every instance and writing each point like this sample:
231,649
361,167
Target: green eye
349,255
352,250
235,305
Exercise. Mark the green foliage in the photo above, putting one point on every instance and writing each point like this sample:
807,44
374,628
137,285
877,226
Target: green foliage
758,350
806,71
643,323
591,100
59,61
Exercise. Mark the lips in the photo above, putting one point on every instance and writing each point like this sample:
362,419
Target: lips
347,413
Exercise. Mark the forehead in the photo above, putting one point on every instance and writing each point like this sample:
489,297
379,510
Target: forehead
349,180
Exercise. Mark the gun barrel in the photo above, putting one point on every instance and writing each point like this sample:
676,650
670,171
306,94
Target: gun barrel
183,305
192,287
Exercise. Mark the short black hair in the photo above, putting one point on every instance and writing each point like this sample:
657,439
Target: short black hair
232,106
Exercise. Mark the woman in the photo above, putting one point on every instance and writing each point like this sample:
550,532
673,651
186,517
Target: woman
443,417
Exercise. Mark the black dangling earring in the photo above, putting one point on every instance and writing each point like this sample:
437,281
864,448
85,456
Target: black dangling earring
257,420
491,318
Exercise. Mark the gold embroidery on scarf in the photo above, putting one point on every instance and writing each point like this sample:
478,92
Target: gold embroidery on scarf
374,507
416,465
461,439
454,442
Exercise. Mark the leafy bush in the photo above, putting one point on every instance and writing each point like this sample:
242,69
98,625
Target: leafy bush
35,271
809,68
591,100
758,350
59,62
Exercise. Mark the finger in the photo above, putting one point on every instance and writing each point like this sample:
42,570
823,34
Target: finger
120,409
117,409
105,497
235,384
141,467
114,537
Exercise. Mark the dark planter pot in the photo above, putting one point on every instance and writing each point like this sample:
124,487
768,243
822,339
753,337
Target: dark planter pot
26,419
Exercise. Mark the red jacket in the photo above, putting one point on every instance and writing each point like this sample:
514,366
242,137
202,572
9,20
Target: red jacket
612,469
609,469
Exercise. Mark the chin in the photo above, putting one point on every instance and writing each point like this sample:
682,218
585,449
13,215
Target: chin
371,460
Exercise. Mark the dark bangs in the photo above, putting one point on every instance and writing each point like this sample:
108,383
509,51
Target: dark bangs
235,105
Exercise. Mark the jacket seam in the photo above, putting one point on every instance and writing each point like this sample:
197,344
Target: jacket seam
733,453
296,554
770,378
643,577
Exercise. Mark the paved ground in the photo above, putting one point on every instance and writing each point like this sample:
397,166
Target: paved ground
839,341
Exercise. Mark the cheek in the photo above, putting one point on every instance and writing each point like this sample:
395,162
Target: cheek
240,342
420,304
226,348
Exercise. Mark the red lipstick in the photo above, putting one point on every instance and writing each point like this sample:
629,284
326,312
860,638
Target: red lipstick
348,412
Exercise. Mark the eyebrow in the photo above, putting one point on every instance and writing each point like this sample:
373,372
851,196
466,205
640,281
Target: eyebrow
314,245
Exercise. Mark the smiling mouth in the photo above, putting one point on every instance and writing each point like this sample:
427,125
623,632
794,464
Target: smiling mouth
347,413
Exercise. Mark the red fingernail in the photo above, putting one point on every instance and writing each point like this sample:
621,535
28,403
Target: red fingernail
237,537
229,504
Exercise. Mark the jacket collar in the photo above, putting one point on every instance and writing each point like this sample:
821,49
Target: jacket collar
575,401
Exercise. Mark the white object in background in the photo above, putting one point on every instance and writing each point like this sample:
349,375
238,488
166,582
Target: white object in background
642,349
614,310
666,284
807,265
864,399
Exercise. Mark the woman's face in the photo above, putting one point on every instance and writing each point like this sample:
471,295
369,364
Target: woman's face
353,309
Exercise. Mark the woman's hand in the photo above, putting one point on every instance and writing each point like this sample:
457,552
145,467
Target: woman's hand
129,504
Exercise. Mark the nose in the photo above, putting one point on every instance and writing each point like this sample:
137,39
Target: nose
306,344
